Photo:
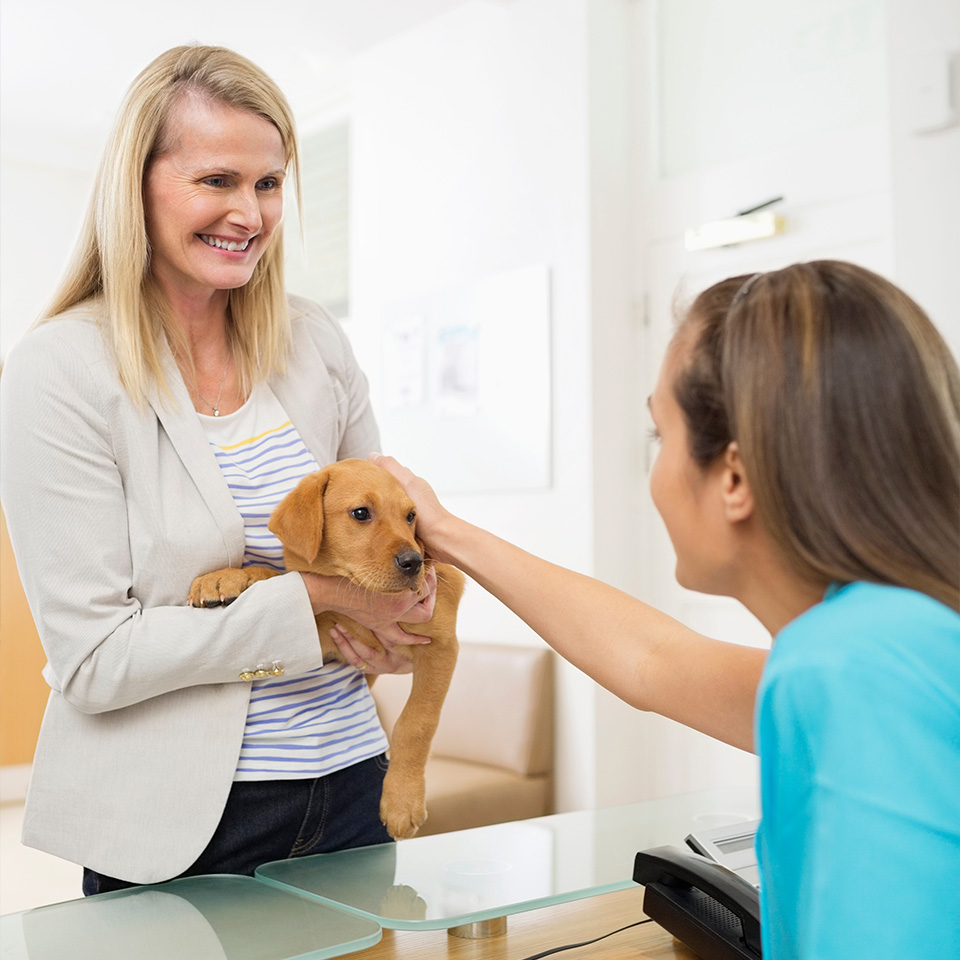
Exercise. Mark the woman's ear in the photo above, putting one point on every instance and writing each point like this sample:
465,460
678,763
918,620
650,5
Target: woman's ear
737,495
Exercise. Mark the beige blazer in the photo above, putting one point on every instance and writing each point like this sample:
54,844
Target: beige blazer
112,511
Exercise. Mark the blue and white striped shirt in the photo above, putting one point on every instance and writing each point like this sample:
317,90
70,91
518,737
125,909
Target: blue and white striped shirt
324,720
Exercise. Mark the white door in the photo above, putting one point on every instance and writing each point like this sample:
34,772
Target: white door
738,103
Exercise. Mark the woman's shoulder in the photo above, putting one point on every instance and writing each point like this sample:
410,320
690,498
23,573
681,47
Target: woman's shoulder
859,624
860,605
61,364
310,324
309,314
67,339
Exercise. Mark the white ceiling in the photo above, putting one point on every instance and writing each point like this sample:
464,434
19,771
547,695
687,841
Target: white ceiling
65,64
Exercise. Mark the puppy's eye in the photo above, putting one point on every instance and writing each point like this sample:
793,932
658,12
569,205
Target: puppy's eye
361,514
411,516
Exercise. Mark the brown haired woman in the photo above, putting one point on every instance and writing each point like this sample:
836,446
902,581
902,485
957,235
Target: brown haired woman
151,422
809,467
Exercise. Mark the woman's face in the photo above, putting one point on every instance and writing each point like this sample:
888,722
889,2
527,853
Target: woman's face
214,200
687,496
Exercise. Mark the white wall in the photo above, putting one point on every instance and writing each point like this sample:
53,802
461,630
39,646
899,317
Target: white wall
42,208
923,38
524,153
471,158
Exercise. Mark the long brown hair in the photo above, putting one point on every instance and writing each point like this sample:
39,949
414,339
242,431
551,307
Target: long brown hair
845,402
110,272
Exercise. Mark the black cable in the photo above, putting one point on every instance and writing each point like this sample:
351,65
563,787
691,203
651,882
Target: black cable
586,943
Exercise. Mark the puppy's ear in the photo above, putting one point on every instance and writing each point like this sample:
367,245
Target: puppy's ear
298,520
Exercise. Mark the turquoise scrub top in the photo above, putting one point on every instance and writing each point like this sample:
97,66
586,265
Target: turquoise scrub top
858,731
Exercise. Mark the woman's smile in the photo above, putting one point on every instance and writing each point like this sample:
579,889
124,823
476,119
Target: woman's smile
223,244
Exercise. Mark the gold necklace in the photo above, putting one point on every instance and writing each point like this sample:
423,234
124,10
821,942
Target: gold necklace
215,407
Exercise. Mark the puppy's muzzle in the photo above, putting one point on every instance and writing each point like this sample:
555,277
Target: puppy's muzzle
408,562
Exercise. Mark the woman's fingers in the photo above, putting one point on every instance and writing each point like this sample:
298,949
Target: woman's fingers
371,659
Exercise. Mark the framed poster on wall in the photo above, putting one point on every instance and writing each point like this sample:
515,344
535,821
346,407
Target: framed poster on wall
466,378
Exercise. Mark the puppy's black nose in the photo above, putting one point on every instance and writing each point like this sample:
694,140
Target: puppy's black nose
408,562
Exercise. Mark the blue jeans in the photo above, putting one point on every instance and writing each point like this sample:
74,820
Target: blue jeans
268,820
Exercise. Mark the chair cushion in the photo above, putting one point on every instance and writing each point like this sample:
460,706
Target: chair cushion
464,795
498,711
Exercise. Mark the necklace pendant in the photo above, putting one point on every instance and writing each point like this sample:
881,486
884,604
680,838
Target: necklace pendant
216,412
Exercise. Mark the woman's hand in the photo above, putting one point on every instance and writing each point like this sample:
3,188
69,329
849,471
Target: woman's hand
379,612
370,660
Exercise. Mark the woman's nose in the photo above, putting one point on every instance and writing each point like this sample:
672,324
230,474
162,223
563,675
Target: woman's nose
246,210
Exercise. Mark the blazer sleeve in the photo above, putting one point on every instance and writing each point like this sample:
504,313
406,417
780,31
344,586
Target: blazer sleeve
69,511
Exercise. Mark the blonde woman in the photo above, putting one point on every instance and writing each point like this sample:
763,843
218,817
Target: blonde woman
171,397
809,422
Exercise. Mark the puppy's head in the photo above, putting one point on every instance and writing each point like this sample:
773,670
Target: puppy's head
352,519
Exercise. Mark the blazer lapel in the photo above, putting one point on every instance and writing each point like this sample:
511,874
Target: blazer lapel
182,426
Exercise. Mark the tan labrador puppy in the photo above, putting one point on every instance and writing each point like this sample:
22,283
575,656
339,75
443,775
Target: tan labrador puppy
353,519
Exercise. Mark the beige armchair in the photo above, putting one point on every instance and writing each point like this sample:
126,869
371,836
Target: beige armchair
492,758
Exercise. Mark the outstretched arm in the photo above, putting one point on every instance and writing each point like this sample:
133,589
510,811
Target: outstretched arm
645,657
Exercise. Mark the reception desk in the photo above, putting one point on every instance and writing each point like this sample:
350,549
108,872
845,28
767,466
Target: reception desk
507,890
486,876
158,927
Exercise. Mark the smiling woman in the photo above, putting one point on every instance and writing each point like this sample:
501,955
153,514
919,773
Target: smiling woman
151,423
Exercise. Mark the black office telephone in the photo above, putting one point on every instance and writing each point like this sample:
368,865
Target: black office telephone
708,907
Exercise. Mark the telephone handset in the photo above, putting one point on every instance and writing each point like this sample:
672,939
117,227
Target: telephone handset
701,902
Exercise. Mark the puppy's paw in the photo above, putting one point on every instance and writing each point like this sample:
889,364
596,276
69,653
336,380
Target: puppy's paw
402,814
222,587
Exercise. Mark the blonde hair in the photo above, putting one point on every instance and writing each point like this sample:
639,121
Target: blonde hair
111,261
845,402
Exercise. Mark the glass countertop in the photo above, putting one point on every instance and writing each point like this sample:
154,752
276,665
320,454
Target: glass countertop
200,918
456,879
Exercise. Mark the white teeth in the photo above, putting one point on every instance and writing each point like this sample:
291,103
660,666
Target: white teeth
224,245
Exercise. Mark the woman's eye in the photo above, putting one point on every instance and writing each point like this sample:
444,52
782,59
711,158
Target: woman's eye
214,181
268,184
361,514
411,516
654,434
